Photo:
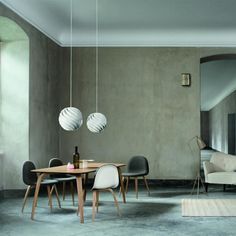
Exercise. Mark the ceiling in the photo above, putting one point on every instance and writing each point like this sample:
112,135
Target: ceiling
133,22
218,80
143,23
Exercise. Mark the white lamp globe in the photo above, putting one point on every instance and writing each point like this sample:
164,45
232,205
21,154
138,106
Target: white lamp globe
96,122
70,118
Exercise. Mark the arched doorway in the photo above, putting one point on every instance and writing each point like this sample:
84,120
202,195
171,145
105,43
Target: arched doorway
218,101
14,102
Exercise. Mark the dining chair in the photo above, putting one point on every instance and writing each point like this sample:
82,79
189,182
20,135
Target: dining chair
63,178
106,179
30,179
137,167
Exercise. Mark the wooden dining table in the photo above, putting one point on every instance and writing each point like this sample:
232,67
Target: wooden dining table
91,167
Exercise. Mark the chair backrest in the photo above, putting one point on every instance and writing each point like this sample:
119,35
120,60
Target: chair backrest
29,178
223,162
138,164
53,163
106,177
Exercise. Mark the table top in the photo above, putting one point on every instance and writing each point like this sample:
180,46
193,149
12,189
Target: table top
92,167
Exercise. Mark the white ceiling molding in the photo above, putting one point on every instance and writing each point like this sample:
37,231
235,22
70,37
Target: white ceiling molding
182,23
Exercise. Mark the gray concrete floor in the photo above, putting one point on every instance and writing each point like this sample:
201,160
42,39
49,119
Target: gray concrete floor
158,214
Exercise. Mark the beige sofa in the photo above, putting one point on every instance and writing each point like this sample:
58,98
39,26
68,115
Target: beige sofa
221,169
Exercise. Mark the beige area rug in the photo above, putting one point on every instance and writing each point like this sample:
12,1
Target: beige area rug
208,207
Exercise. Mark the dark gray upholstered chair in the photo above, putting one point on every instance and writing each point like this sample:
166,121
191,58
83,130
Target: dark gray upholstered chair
137,167
62,178
30,179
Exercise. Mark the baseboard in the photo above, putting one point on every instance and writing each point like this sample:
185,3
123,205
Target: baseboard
12,193
19,193
1,195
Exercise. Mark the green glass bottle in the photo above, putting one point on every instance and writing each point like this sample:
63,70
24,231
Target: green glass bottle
76,158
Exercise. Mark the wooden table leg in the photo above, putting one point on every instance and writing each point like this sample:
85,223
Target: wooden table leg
85,182
121,185
80,197
36,193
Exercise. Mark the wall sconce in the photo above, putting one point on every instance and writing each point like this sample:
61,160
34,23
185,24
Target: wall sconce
185,79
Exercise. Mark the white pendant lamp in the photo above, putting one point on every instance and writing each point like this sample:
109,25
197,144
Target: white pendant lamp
70,118
96,122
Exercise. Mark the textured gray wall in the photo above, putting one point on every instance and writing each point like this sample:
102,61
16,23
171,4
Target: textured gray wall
218,123
43,96
139,91
148,110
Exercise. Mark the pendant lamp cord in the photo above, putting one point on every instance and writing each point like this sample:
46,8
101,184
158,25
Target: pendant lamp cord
71,59
96,56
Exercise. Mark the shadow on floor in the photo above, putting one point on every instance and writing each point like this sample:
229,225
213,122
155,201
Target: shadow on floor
169,194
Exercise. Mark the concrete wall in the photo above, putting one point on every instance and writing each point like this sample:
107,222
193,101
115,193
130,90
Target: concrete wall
43,98
148,110
218,123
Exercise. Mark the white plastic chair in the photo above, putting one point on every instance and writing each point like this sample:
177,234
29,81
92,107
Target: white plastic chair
106,179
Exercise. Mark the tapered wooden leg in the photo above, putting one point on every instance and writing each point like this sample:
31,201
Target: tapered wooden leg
36,192
97,199
195,182
206,187
136,186
63,190
123,180
85,183
80,197
51,191
121,185
25,198
57,196
115,200
127,184
49,197
146,184
85,178
94,204
72,192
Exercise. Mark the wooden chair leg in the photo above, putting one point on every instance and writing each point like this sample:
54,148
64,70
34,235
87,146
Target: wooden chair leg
50,194
97,199
72,192
146,184
136,186
127,184
94,204
206,187
123,180
63,190
57,196
49,197
85,183
116,202
25,198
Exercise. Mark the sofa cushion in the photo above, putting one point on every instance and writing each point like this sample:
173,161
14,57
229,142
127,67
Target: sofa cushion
222,178
230,163
218,161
